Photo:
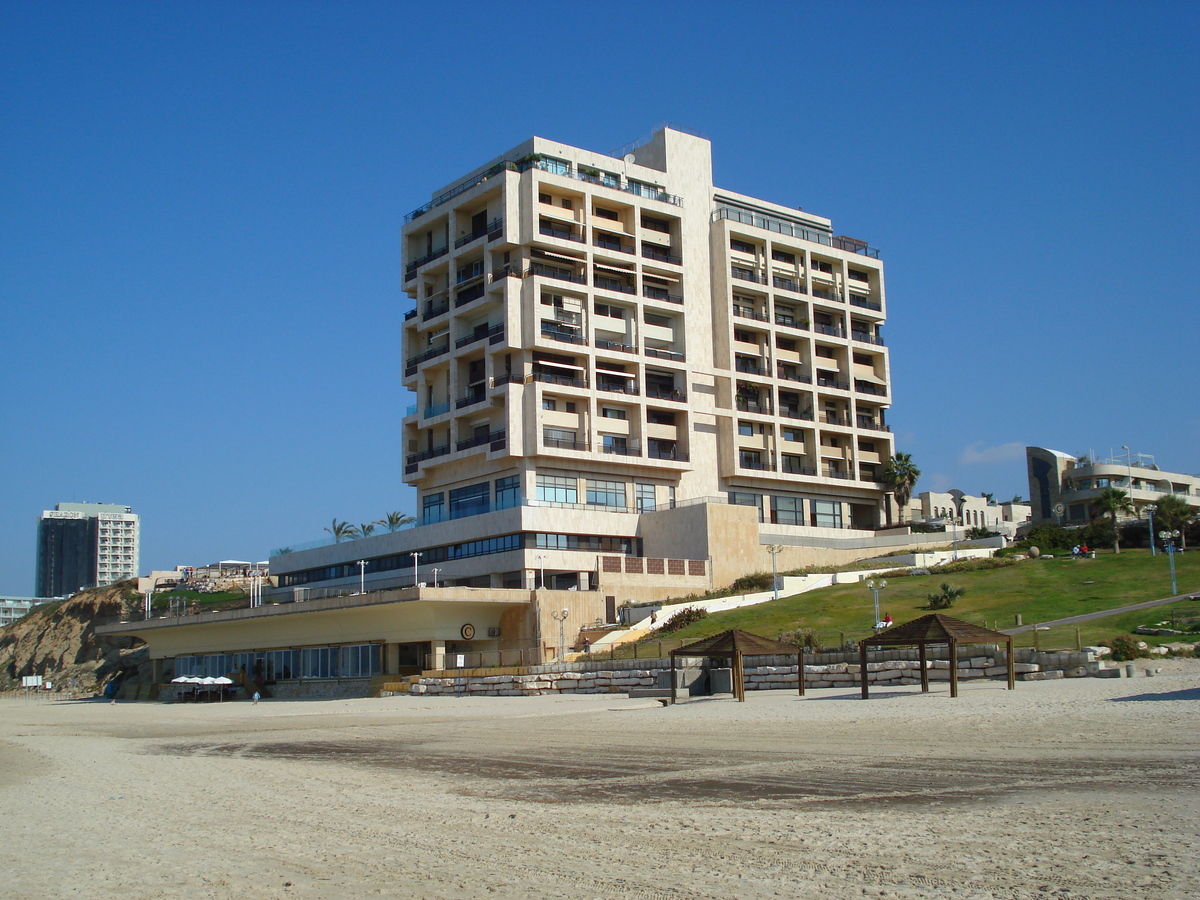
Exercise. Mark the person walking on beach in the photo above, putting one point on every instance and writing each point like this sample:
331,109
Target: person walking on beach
255,698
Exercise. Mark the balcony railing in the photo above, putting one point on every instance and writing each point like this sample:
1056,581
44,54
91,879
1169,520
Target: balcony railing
747,275
563,233
791,468
613,345
787,284
793,412
562,444
495,437
675,394
475,396
556,273
493,227
672,452
617,387
612,284
751,406
856,300
564,380
654,293
567,337
411,268
866,387
609,243
427,454
793,376
749,366
758,464
790,322
435,409
479,334
507,378
832,330
871,424
825,381
744,312
792,229
665,354
651,252
468,294
866,338
620,450
822,294
431,353
831,419
411,314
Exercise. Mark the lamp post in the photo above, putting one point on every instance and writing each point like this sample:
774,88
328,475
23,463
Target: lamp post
1151,509
435,575
362,576
416,555
1168,539
541,561
875,588
775,550
560,616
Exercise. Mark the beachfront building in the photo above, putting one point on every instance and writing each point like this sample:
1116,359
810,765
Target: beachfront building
85,545
629,384
1063,488
958,510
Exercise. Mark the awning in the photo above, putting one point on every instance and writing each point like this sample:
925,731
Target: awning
612,269
544,254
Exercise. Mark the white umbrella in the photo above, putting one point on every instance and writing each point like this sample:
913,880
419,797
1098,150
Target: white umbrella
221,679
209,680
182,679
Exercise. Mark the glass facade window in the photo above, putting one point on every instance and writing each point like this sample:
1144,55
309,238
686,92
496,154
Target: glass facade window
645,498
433,509
469,501
508,492
605,493
742,498
826,514
787,510
557,489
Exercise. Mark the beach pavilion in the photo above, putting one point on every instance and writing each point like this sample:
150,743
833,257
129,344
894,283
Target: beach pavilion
936,629
734,645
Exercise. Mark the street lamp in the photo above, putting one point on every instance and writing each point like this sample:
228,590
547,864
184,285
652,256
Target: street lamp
362,576
435,575
1151,509
1168,539
561,617
541,561
875,588
416,555
775,550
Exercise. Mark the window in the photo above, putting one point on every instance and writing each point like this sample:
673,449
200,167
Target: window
741,246
826,514
822,266
606,493
615,443
606,213
660,417
557,489
645,498
562,438
863,359
660,225
469,501
745,428
783,343
793,434
787,510
746,337
831,441
433,509
545,198
566,203
571,406
866,446
615,312
508,492
859,275
825,352
612,412
784,257
750,459
359,660
739,498
653,319
549,403
671,497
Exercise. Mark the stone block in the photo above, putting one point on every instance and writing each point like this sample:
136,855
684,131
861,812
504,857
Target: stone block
981,662
1076,672
1026,668
887,675
993,671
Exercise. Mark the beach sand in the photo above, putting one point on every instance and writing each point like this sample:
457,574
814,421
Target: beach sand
1069,789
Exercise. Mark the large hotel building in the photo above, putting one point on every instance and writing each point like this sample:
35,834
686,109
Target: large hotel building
622,370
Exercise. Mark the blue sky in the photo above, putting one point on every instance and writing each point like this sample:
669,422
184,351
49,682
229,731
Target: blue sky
199,255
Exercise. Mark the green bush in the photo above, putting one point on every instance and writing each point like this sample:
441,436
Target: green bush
686,616
979,532
946,597
1124,647
759,581
974,565
1052,538
802,637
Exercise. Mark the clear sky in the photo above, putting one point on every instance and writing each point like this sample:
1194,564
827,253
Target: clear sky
200,206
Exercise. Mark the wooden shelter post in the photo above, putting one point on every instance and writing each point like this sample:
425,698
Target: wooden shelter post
800,669
953,668
739,675
1012,672
673,670
862,668
924,668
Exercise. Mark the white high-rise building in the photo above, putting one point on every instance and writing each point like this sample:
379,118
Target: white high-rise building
83,545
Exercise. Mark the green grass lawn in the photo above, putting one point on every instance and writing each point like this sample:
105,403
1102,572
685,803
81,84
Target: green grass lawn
217,600
1039,590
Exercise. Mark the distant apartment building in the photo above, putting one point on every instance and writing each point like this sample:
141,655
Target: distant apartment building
1062,488
84,545
14,608
600,342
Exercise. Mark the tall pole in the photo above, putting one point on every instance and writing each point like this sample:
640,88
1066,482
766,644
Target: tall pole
1151,509
362,576
775,550
541,560
416,555
1168,539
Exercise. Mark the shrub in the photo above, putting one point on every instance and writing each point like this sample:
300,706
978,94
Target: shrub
979,532
974,565
1051,538
945,599
1124,647
686,616
802,637
759,581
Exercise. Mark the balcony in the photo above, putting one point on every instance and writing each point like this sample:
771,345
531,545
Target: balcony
826,381
747,365
754,462
556,273
665,354
415,458
563,233
612,284
796,468
743,274
496,439
410,367
822,294
565,444
492,228
787,284
856,300
831,330
794,412
834,419
649,251
475,395
745,312
563,380
787,375
481,332
617,387
411,269
791,322
607,242
613,345
658,449
866,387
650,192
753,406
871,425
435,409
835,473
507,378
411,314
658,393
620,450
866,338
562,334
467,295
793,229
654,293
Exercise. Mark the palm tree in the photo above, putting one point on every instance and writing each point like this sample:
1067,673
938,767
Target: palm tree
1174,513
395,521
946,597
365,530
1113,502
341,531
988,497
901,477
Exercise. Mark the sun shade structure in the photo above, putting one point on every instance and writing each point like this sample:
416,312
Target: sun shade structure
935,629
734,645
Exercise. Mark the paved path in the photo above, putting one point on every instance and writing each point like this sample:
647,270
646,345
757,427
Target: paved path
1086,617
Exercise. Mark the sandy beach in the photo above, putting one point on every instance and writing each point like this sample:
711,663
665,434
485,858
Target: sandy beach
1074,789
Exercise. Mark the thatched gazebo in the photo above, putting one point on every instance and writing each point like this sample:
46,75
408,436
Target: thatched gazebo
935,628
734,645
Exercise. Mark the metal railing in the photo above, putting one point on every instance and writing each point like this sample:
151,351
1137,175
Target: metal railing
787,284
477,396
567,337
672,355
747,275
492,227
674,394
612,284
427,454
428,354
495,437
435,409
791,412
613,345
749,366
673,453
745,313
563,234
866,338
556,273
563,444
611,244
651,252
654,293
792,229
790,322
793,376
865,387
823,381
565,380
831,330
856,300
411,268
617,387
461,188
